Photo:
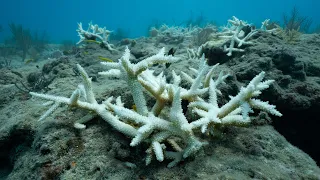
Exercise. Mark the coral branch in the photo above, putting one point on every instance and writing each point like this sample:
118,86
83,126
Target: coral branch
154,127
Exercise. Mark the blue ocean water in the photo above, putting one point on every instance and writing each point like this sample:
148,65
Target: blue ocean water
59,17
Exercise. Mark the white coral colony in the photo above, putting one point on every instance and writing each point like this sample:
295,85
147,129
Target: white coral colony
148,125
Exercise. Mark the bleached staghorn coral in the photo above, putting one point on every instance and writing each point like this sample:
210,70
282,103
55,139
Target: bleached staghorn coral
154,126
235,34
94,32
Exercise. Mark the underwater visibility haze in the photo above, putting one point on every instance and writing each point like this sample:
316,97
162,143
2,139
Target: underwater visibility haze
159,89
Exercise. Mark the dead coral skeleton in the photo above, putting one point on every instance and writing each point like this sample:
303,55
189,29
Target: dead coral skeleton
152,125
